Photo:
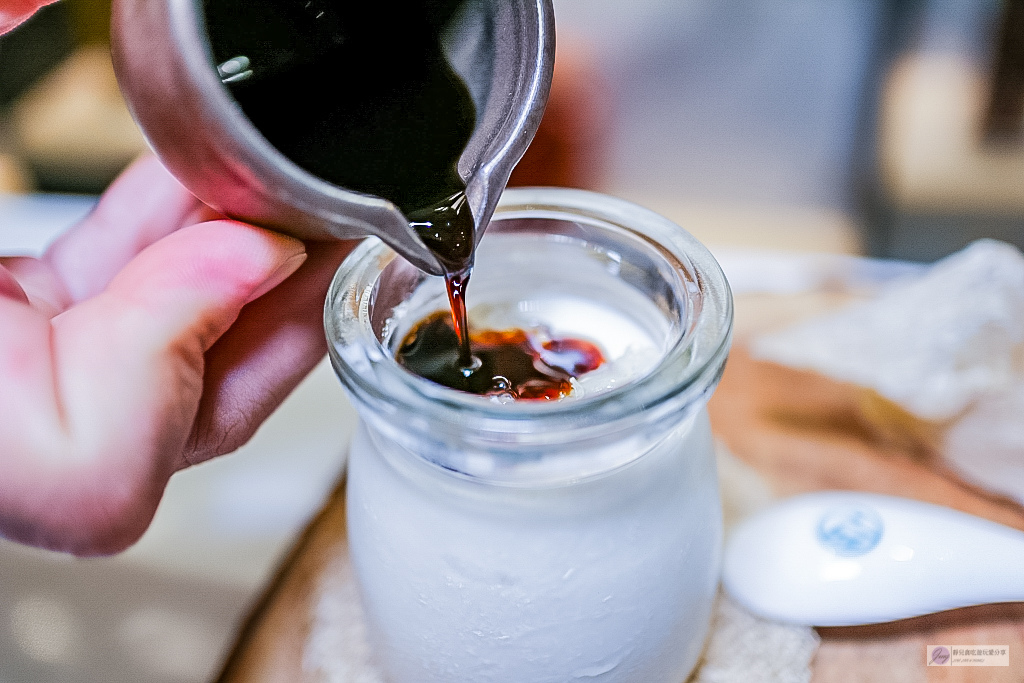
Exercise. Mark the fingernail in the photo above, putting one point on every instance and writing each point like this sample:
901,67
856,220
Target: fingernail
289,266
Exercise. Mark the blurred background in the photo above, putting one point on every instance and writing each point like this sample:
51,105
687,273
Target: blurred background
890,128
886,127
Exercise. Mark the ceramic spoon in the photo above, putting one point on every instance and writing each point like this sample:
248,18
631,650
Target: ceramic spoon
842,558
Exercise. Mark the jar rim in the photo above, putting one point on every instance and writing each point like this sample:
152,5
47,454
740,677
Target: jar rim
683,377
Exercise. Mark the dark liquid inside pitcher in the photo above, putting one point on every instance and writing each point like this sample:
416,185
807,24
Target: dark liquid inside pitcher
357,93
361,95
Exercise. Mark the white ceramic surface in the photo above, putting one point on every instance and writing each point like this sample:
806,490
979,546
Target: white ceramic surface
843,558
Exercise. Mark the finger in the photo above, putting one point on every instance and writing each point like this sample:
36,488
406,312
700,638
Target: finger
13,12
143,205
127,379
272,346
45,479
165,309
29,411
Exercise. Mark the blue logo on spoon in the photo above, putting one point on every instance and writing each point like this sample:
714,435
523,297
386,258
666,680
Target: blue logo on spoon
850,531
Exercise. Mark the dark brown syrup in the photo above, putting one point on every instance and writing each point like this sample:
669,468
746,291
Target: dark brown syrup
361,95
447,229
357,93
519,364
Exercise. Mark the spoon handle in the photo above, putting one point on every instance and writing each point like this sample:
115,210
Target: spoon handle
841,558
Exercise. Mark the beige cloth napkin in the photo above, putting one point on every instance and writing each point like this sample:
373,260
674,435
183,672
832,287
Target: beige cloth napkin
741,648
946,346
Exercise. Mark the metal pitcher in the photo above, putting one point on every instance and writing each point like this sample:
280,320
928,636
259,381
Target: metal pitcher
502,49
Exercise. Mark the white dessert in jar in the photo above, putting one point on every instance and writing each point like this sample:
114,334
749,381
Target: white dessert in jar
607,580
541,542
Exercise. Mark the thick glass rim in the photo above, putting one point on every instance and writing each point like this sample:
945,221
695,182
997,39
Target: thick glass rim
683,377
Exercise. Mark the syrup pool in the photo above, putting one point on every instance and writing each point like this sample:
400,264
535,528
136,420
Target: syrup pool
515,363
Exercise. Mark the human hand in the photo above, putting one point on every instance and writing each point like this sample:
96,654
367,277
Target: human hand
145,340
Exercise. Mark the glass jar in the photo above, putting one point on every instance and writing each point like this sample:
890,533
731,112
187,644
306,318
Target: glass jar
540,541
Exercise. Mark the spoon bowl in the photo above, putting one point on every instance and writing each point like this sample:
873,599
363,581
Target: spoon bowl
841,559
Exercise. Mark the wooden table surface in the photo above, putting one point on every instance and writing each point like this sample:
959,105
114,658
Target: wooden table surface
803,433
